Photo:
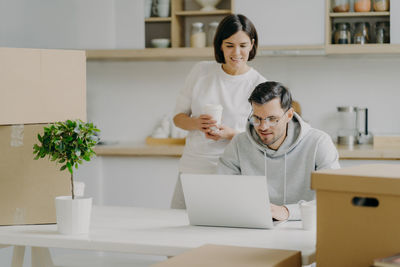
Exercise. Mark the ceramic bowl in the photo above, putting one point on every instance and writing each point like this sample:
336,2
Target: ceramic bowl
160,42
208,5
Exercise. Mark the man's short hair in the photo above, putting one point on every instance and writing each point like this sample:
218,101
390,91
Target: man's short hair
266,91
230,25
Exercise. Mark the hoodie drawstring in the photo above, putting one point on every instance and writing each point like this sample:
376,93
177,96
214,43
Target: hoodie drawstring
265,164
284,183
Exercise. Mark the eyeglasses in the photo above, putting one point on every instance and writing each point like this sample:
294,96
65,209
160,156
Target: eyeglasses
270,121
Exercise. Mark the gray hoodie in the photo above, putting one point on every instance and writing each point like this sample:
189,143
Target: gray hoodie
288,169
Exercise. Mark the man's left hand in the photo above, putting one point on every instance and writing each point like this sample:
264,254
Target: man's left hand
279,213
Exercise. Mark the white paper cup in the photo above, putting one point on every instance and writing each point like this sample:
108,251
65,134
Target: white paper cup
215,111
308,215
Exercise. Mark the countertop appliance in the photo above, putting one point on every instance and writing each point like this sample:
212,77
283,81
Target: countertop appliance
353,119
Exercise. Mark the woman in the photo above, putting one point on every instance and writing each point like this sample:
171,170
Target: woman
227,82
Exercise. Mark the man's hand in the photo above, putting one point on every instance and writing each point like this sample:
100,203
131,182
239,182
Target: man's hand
279,213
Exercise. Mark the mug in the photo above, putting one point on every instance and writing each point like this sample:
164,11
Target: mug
147,8
161,8
308,215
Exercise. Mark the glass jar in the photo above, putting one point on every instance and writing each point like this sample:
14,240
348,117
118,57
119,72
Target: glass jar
342,34
361,33
362,5
340,5
382,32
381,5
198,36
212,29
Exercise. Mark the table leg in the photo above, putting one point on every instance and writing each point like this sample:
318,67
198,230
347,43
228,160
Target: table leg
18,256
41,257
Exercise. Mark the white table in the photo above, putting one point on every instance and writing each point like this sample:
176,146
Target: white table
150,231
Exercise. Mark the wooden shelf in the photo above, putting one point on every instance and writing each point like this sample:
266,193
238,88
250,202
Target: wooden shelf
358,14
158,19
202,13
362,49
195,53
150,54
188,53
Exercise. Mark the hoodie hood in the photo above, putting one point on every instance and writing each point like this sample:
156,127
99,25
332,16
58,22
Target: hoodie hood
296,130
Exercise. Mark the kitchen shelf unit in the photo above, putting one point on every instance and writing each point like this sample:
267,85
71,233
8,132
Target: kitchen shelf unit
351,17
177,27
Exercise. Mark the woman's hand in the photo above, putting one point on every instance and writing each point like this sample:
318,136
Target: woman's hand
279,213
204,122
201,123
223,132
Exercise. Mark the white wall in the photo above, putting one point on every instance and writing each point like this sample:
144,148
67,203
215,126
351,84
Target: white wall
72,24
127,99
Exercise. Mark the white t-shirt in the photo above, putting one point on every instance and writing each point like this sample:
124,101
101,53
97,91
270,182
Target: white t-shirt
207,83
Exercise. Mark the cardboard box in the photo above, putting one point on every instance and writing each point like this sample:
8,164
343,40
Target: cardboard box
232,256
27,186
42,85
357,214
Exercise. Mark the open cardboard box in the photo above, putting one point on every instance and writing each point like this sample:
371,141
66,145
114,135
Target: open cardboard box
357,214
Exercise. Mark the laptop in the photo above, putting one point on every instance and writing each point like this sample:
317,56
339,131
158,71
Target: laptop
227,200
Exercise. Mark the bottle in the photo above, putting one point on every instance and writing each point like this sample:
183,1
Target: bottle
381,5
361,33
382,32
342,34
198,36
362,5
212,29
340,5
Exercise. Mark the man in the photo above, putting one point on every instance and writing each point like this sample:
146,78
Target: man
280,145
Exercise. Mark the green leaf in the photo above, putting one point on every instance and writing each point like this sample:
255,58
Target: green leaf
69,166
63,167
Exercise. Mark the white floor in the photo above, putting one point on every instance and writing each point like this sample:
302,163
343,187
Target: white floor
79,258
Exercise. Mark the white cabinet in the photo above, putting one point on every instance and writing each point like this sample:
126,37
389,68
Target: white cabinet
395,22
286,22
72,24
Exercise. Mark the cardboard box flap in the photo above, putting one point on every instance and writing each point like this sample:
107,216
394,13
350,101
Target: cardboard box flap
372,178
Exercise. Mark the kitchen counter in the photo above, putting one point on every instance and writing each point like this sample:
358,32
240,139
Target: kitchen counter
360,152
139,149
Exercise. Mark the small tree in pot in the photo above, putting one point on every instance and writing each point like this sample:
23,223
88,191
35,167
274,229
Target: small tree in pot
68,143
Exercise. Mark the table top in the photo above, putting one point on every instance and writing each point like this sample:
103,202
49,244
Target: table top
158,232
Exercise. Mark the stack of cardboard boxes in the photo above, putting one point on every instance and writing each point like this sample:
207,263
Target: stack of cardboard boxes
37,87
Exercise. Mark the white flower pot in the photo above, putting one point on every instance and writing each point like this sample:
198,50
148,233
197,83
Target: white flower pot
73,216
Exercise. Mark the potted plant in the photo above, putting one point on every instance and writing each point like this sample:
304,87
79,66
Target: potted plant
69,143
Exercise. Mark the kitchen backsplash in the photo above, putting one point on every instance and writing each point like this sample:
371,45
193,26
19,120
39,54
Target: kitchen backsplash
128,99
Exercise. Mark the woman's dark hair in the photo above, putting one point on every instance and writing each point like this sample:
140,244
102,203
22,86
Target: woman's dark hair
230,25
266,91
